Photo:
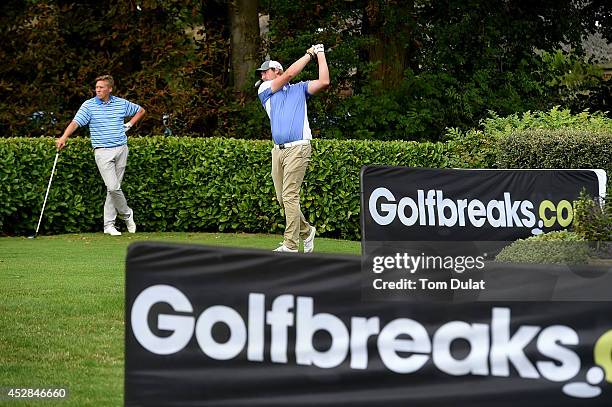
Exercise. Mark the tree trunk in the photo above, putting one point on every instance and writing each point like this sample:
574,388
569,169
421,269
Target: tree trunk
391,39
244,41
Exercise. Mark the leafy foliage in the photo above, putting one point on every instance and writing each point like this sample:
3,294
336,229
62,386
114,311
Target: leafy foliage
593,217
553,119
400,70
148,50
563,148
490,147
578,82
472,149
193,184
216,184
559,247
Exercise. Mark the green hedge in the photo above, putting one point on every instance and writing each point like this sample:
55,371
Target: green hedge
562,148
222,184
533,140
193,184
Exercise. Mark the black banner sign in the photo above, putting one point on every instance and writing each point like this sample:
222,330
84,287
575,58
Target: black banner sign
228,327
414,204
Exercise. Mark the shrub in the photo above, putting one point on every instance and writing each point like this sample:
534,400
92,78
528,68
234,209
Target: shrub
218,184
193,184
471,149
559,247
516,141
554,119
593,217
563,148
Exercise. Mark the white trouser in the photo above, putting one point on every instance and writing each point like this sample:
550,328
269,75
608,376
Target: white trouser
111,164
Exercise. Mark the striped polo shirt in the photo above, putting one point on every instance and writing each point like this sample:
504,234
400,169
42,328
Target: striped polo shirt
287,111
106,120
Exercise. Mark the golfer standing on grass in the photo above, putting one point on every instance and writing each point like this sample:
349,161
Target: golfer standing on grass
285,104
105,115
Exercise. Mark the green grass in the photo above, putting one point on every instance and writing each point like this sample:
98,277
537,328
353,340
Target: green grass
62,309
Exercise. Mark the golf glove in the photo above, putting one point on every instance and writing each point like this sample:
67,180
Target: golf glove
310,52
127,126
318,48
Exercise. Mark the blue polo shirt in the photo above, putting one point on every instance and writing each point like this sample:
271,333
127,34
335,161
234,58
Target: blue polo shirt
106,120
287,111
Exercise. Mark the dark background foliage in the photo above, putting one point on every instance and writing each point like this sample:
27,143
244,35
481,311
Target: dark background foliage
400,69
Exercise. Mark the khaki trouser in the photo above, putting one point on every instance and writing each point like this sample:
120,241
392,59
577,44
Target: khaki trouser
111,164
288,168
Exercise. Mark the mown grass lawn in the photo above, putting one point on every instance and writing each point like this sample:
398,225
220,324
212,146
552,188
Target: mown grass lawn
62,309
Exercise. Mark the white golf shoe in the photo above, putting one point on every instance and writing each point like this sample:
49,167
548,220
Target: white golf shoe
129,222
111,231
283,248
309,241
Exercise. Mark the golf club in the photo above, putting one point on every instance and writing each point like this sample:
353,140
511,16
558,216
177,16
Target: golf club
46,195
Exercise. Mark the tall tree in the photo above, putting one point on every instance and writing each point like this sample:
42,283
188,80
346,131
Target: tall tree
391,49
400,69
244,41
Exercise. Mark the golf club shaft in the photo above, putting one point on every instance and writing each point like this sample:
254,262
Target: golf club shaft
47,193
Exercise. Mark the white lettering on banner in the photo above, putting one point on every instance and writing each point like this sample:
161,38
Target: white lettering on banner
527,211
257,305
446,203
569,362
280,319
505,349
362,329
389,210
431,208
477,335
220,314
476,211
404,345
389,344
181,326
307,324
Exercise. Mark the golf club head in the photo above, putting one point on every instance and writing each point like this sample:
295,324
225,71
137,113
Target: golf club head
258,83
32,237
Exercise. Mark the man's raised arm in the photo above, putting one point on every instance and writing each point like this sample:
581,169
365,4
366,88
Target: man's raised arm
323,81
293,70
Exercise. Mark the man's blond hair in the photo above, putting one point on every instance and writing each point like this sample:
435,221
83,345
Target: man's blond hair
108,79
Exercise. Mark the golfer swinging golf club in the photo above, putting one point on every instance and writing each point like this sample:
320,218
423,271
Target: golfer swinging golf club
285,104
105,115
